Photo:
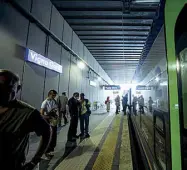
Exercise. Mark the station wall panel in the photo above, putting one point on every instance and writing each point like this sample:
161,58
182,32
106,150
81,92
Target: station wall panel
52,78
64,77
80,48
75,43
42,11
67,34
57,23
73,78
14,24
26,4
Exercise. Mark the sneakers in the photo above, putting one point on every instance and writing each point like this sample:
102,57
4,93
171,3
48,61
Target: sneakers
46,158
51,153
87,135
77,136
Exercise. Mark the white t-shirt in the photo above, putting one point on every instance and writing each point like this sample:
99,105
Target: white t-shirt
48,105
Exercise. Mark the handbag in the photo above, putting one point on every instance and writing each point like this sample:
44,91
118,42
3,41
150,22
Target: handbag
53,117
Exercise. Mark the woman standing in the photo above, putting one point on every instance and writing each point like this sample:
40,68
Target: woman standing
107,102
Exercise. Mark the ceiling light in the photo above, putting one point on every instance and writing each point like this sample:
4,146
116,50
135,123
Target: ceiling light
81,65
157,79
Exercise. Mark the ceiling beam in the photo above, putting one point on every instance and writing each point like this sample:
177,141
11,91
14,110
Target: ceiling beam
106,15
129,41
115,45
105,33
114,50
110,48
84,37
109,28
109,21
122,53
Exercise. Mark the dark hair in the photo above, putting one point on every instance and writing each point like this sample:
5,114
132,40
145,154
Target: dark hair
76,94
64,93
52,92
10,75
82,94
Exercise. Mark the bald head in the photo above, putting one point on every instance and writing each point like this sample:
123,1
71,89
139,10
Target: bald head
9,86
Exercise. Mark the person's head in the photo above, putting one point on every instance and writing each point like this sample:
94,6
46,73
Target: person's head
76,95
108,98
150,98
52,94
64,93
9,86
82,96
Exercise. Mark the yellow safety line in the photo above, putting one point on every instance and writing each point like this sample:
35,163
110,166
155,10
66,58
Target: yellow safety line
80,157
125,149
105,158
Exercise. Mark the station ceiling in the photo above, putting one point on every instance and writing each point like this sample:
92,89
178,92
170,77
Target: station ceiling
114,31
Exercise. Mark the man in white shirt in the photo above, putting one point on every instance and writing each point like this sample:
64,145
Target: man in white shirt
49,110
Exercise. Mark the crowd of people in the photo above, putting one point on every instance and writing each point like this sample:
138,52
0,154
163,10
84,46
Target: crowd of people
18,119
136,100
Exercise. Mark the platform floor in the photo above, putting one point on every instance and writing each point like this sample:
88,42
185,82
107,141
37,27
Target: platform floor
108,148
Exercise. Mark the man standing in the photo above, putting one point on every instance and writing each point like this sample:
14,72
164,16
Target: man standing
84,116
134,102
74,107
17,120
141,104
117,102
124,102
63,102
49,109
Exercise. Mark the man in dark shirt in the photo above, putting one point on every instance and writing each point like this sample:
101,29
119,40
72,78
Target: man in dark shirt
17,120
74,107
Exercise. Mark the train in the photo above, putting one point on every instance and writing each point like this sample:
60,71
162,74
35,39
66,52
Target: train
161,129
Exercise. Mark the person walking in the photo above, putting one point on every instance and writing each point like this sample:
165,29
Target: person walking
74,108
49,110
141,104
134,102
124,103
84,116
150,102
117,102
17,120
63,102
107,102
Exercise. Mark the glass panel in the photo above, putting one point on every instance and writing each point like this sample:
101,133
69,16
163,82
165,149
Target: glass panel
183,68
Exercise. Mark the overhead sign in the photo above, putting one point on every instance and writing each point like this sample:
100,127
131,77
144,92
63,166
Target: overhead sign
112,87
40,60
140,87
92,83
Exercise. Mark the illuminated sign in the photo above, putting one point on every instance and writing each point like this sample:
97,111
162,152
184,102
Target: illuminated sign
112,87
92,83
40,60
143,87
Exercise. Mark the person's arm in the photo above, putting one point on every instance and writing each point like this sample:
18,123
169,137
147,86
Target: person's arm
37,124
42,110
70,107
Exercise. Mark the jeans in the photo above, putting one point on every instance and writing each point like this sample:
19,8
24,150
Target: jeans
64,117
117,109
72,132
84,123
52,144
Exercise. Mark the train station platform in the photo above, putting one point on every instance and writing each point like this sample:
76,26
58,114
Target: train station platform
107,148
